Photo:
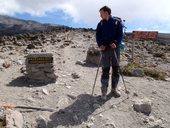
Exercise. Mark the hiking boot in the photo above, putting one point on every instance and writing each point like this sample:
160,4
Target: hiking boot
115,93
103,97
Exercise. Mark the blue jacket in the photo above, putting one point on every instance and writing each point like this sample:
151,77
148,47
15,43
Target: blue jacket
106,33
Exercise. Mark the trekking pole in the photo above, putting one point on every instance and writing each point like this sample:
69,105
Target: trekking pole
96,74
126,91
26,107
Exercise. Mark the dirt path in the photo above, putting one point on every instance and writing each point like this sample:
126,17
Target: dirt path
71,98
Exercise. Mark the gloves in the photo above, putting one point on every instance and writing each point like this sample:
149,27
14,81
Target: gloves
113,45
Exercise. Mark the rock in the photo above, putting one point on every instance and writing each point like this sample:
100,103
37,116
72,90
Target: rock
92,119
43,50
150,78
100,115
40,67
14,119
154,92
127,55
68,87
2,118
42,122
23,70
151,118
18,43
74,46
143,106
96,106
6,64
63,101
156,124
19,62
167,79
89,125
138,72
31,46
45,91
110,125
79,63
93,55
62,46
75,118
75,76
135,94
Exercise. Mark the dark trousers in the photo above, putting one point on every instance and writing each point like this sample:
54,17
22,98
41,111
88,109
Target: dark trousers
109,60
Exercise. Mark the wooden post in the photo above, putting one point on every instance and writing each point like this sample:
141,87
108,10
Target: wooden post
133,43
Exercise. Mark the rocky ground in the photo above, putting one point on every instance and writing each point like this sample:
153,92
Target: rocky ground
70,96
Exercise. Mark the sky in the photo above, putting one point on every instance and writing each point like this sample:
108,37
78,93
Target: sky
150,15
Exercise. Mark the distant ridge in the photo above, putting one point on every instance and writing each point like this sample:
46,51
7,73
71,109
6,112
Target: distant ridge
12,26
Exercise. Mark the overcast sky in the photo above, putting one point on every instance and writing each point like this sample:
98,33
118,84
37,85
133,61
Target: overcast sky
139,14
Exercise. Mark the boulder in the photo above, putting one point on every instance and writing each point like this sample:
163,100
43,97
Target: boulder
93,55
143,106
138,72
14,119
40,67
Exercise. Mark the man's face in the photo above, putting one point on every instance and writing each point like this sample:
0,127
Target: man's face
104,15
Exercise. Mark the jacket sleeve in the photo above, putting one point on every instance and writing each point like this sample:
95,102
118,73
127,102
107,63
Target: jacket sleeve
98,35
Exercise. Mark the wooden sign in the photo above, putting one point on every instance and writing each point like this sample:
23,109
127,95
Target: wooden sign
40,60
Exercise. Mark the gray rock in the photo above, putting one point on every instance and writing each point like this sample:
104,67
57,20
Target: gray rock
96,106
89,125
31,46
18,43
143,106
75,75
79,63
135,94
93,55
63,101
42,122
138,72
6,64
23,70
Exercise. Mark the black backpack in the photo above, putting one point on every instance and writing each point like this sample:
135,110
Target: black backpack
118,24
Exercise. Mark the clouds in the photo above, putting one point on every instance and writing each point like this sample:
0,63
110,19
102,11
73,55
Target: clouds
152,11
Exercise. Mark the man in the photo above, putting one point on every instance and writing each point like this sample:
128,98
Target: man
108,38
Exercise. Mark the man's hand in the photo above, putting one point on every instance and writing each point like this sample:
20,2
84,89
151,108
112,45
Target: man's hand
113,45
102,47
